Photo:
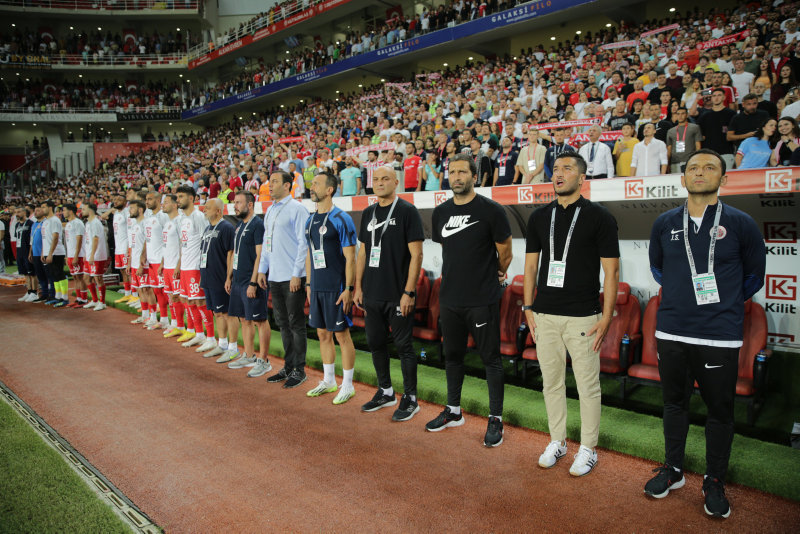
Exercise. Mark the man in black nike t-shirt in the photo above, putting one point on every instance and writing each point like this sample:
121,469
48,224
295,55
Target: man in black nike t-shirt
476,250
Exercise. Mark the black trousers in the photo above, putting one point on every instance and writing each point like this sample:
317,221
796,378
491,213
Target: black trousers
287,306
483,323
380,316
715,369
55,269
45,285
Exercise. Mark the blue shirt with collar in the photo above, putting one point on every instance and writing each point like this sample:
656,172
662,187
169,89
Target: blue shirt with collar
285,221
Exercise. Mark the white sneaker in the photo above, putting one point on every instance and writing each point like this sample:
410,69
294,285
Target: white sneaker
157,325
24,298
151,324
209,344
322,387
138,320
99,306
242,361
216,351
228,355
259,369
30,297
91,305
136,305
345,394
554,451
165,328
196,340
584,462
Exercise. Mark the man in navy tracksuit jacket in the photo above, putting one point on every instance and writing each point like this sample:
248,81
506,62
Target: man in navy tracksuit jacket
700,323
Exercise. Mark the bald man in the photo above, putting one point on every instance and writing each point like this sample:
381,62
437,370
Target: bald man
216,254
387,270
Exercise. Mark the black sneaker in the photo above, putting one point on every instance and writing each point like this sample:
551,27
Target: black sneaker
666,479
296,377
280,376
716,503
494,433
379,401
40,300
408,408
444,420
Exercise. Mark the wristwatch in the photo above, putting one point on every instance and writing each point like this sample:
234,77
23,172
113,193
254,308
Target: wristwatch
527,308
253,284
411,294
351,288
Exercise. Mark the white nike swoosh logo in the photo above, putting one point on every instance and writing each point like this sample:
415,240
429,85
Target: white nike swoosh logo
447,232
256,314
479,325
371,227
676,231
712,366
218,307
339,322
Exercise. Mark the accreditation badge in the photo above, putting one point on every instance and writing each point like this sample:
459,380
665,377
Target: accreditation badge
555,274
705,289
375,257
319,258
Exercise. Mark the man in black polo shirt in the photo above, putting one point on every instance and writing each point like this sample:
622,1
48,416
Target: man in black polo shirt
216,253
714,126
747,121
476,250
248,301
389,261
574,237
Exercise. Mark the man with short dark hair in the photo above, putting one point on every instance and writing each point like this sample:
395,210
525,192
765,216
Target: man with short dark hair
714,123
682,139
282,267
74,232
331,264
709,259
95,252
474,231
747,121
53,252
565,314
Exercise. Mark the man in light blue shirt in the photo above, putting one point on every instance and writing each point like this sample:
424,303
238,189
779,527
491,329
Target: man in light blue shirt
283,256
351,178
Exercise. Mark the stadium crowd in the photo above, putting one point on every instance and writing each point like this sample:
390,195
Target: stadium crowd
45,96
93,45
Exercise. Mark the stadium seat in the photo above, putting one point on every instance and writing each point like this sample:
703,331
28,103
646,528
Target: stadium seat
627,319
423,296
431,331
358,317
755,339
511,318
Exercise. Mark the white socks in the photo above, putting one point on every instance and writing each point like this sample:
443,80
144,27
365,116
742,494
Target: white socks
330,373
223,344
388,392
455,410
347,377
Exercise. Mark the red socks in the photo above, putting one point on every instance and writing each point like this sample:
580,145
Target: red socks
127,286
93,291
103,293
195,318
208,320
163,302
177,314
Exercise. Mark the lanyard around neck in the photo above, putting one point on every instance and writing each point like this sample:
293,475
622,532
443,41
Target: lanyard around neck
569,234
713,238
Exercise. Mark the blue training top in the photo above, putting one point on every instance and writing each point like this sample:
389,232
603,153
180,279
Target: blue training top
739,266
36,239
340,232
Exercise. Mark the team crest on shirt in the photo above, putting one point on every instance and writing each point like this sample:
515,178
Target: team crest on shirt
721,232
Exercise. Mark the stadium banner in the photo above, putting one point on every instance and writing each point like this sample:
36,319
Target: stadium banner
498,20
295,139
26,60
386,145
567,124
266,31
581,138
620,44
58,116
662,29
728,39
149,116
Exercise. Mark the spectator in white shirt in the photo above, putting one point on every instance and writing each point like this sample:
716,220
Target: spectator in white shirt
598,158
742,80
649,155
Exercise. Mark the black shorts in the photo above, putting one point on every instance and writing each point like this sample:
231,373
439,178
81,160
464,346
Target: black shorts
325,314
247,308
217,299
23,265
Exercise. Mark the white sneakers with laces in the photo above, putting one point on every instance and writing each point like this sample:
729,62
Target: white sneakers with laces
584,462
554,451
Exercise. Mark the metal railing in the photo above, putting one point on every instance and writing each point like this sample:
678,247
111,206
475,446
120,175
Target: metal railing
233,34
79,60
106,5
33,172
55,108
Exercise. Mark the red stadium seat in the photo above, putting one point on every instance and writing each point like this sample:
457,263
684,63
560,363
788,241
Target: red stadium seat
423,296
755,339
358,317
431,332
627,320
